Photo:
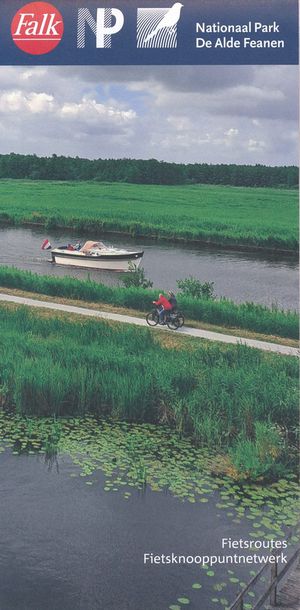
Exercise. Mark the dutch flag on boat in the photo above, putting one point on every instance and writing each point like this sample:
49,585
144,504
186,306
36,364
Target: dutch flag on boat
46,245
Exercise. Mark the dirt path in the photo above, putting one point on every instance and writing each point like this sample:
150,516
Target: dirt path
192,332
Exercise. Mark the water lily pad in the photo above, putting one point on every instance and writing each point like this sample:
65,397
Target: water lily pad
183,600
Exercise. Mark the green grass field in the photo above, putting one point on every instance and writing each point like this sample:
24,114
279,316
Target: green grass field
230,216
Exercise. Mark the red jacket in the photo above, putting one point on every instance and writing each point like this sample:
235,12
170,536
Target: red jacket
164,302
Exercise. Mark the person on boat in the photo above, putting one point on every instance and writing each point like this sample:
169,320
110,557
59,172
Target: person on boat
172,300
163,305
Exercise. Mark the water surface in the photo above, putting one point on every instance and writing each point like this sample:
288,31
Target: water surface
74,528
241,276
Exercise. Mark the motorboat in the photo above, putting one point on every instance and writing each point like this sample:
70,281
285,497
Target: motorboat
96,255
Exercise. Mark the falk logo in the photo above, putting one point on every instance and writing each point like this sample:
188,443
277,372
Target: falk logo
37,28
157,27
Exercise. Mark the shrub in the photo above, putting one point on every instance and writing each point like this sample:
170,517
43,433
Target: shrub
136,277
192,287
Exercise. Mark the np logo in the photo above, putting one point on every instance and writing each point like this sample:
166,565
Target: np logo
157,27
37,28
109,21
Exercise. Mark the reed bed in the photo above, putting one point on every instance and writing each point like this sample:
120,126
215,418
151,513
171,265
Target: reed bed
222,312
54,366
235,400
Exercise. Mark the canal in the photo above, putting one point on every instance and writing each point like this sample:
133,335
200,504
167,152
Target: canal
241,276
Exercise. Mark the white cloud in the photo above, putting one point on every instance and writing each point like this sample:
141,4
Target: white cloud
180,123
256,145
231,132
16,102
90,111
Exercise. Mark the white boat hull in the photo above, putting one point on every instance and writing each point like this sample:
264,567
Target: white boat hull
109,263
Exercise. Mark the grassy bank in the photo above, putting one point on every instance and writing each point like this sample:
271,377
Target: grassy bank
223,312
228,216
232,398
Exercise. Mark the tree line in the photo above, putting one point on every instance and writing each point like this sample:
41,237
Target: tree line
140,171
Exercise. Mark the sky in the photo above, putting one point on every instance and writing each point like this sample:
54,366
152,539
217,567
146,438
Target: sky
203,114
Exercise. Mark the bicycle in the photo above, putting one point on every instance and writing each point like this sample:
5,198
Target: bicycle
173,319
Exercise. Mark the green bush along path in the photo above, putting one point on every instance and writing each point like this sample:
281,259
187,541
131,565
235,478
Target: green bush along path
227,216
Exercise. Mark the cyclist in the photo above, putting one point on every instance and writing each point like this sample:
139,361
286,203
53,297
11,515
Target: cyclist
162,305
172,300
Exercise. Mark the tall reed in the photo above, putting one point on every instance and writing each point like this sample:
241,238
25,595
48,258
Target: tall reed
54,366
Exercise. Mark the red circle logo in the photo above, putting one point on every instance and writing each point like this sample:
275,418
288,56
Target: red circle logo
37,28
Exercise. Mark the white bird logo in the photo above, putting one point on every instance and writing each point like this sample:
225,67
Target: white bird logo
169,21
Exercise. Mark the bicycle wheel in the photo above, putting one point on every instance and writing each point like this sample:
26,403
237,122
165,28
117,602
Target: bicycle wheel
172,322
152,318
180,318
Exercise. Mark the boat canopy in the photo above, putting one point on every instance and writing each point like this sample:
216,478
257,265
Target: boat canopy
89,245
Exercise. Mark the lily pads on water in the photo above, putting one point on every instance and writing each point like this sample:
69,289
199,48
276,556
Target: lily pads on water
136,456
